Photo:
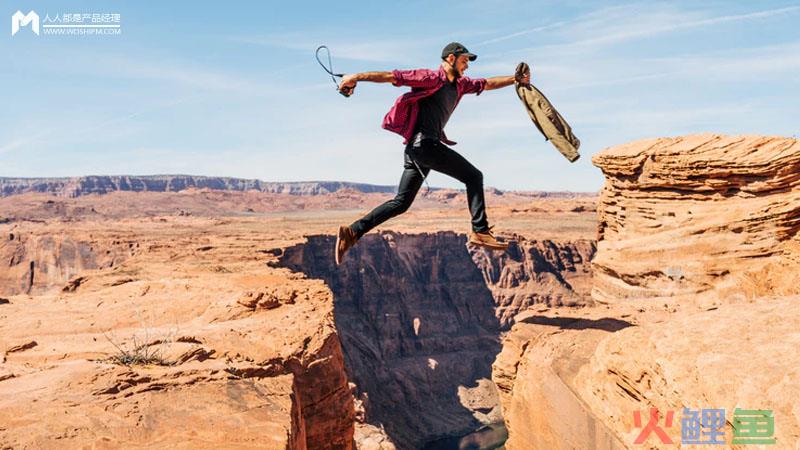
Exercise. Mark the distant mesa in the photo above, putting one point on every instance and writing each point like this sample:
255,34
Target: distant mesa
104,184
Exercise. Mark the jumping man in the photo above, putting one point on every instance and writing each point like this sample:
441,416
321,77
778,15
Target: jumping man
420,116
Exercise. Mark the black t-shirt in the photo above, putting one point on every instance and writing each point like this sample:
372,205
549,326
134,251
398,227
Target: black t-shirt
435,110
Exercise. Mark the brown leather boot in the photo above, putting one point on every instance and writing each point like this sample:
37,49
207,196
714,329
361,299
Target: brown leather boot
346,239
487,239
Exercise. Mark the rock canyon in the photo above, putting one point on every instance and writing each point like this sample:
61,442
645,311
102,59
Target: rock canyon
196,312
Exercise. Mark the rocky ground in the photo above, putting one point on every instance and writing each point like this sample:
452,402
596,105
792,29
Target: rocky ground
236,347
231,352
216,319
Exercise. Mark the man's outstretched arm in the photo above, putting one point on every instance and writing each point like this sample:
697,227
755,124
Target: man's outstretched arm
501,82
349,81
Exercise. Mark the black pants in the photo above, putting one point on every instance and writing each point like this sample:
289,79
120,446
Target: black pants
429,154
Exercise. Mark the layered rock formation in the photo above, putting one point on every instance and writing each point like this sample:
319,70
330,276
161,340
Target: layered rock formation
696,270
690,214
537,272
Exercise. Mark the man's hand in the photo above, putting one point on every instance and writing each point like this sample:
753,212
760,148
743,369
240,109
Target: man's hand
523,74
348,85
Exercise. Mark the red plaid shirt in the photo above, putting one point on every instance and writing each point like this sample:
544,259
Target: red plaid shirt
402,118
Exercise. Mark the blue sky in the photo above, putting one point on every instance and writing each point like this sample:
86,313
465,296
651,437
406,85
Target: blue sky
197,88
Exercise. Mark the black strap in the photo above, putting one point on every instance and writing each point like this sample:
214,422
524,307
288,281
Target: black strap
417,139
329,69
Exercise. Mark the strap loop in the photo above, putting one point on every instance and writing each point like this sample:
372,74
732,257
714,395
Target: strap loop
347,91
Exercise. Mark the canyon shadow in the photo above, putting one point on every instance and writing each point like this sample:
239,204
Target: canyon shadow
418,328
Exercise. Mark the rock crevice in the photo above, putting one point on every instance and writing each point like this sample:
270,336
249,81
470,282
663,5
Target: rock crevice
421,319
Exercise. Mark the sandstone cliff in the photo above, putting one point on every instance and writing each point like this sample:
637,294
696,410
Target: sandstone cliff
696,275
697,213
231,354
37,262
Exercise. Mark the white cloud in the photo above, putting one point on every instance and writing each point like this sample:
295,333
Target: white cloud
649,24
602,15
621,24
538,29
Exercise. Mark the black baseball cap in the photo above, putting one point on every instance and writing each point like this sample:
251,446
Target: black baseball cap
457,49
